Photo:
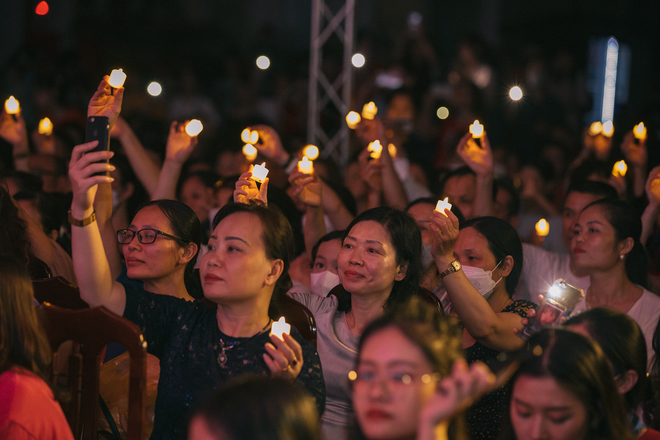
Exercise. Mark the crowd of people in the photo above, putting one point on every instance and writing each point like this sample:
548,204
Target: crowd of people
418,310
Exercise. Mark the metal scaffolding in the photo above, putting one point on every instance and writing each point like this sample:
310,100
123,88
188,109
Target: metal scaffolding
324,92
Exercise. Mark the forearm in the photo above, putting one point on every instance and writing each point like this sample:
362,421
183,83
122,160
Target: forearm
339,215
649,216
21,155
149,171
393,190
639,181
103,208
314,227
167,181
483,202
374,199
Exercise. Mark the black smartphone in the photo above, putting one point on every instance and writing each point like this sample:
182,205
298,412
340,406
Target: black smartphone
98,129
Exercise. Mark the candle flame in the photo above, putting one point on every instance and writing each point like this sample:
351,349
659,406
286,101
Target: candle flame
595,128
311,152
250,152
620,169
194,127
391,148
353,119
254,137
245,135
369,110
45,127
12,105
442,204
542,228
477,129
376,149
640,131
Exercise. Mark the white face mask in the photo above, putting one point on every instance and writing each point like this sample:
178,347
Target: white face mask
482,280
324,282
427,257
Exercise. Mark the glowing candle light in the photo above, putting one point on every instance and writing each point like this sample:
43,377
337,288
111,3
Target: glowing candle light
250,152
259,172
117,78
542,228
353,119
640,131
154,89
376,149
280,327
245,135
608,128
391,148
305,166
477,129
369,110
194,127
516,93
254,137
45,127
620,169
12,106
442,204
595,128
311,152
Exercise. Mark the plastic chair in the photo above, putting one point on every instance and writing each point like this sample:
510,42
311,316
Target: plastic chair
58,291
424,293
93,329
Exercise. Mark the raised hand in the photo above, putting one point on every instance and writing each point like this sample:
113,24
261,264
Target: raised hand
13,131
82,167
635,154
246,189
270,144
105,103
306,188
653,187
445,229
370,130
179,144
284,357
479,159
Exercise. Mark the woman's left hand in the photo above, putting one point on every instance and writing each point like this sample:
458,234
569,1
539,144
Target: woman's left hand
284,357
445,230
246,189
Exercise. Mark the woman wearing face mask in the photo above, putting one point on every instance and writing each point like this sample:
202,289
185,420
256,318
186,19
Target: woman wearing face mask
480,267
324,263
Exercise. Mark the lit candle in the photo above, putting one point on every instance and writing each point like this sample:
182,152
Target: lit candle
280,327
259,172
305,166
254,137
117,78
376,148
353,119
369,110
542,228
477,129
608,128
595,128
45,127
640,131
12,106
311,152
391,148
194,127
620,169
245,136
442,204
250,152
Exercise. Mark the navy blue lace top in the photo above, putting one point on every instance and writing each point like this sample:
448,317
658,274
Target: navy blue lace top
186,338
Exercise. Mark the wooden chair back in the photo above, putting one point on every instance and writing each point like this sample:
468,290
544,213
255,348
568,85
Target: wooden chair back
93,329
424,293
300,317
59,292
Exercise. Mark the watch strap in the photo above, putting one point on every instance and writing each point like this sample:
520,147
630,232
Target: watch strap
451,269
83,222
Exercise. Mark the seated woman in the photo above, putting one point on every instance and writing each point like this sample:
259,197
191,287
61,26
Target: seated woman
198,346
606,246
251,407
480,267
564,390
411,378
27,406
622,341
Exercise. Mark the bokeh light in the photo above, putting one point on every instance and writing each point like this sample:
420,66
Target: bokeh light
358,60
154,89
516,93
42,8
443,113
263,62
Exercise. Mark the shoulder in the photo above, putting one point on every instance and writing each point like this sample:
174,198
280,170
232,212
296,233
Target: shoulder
316,304
519,307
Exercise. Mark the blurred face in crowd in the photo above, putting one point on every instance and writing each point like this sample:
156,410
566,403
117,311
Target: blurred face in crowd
595,246
461,191
542,409
198,197
573,206
353,181
367,261
389,392
156,260
326,256
421,212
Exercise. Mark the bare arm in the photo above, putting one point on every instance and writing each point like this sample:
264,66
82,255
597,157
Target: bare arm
307,189
339,215
480,160
179,147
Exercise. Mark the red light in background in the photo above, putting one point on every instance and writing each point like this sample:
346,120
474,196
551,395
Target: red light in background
42,8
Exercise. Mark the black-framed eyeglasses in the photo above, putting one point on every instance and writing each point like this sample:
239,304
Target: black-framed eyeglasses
145,236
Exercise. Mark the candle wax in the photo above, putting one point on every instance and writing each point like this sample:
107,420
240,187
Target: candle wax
259,172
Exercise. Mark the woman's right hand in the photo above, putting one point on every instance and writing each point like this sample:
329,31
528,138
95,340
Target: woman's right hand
82,168
246,189
306,188
445,229
270,144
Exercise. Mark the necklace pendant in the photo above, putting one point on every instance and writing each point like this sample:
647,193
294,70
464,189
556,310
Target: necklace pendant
222,358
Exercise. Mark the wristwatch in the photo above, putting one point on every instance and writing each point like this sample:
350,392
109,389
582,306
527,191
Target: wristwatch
454,266
83,222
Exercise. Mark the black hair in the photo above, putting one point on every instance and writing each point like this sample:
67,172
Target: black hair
601,190
502,240
185,224
458,172
627,223
253,407
334,235
652,403
623,343
506,185
434,201
588,168
580,368
407,242
278,243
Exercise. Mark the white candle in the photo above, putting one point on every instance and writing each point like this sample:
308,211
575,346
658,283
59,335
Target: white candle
477,129
376,148
250,152
12,106
640,131
311,152
353,119
542,228
369,110
117,78
45,127
620,169
305,166
194,127
280,327
442,204
259,172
